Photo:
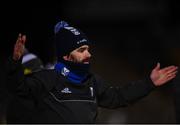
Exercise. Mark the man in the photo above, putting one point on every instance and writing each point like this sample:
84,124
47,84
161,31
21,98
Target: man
70,93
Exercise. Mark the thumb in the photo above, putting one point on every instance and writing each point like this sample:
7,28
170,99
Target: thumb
157,66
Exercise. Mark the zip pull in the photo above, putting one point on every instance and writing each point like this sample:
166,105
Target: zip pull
91,89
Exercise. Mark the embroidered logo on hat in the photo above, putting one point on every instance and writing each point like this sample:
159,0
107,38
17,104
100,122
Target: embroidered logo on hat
82,41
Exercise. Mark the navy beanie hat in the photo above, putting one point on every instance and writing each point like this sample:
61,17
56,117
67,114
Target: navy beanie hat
67,39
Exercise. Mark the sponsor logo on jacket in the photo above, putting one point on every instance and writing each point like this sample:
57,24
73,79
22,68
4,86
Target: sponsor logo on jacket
66,90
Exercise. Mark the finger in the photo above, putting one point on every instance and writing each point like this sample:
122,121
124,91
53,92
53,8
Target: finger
166,71
23,39
164,76
18,44
173,71
171,74
168,68
170,77
166,79
19,36
18,39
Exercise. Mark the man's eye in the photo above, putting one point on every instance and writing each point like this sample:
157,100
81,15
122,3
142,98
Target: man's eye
80,50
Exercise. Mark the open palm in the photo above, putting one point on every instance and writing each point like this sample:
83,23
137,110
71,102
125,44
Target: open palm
19,47
161,76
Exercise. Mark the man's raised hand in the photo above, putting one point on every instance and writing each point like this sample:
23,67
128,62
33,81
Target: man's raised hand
19,47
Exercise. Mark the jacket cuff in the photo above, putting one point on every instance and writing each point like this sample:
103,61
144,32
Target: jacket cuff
150,84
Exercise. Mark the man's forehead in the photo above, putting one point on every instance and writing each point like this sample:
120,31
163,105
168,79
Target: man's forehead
83,46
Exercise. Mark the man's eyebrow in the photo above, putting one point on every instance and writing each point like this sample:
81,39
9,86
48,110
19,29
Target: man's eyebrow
84,47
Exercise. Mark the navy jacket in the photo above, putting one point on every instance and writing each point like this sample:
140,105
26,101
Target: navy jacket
47,97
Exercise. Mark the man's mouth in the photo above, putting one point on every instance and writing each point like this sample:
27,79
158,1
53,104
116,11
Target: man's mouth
86,61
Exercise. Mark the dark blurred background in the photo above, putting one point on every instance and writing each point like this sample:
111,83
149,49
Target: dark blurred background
129,38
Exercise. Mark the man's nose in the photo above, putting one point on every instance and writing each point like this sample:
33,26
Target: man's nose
88,54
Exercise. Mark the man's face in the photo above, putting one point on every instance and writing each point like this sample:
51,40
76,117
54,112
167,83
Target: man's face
79,55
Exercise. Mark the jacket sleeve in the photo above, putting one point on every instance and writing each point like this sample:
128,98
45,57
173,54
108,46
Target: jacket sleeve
114,97
17,83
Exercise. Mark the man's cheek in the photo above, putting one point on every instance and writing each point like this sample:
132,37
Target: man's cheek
80,59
